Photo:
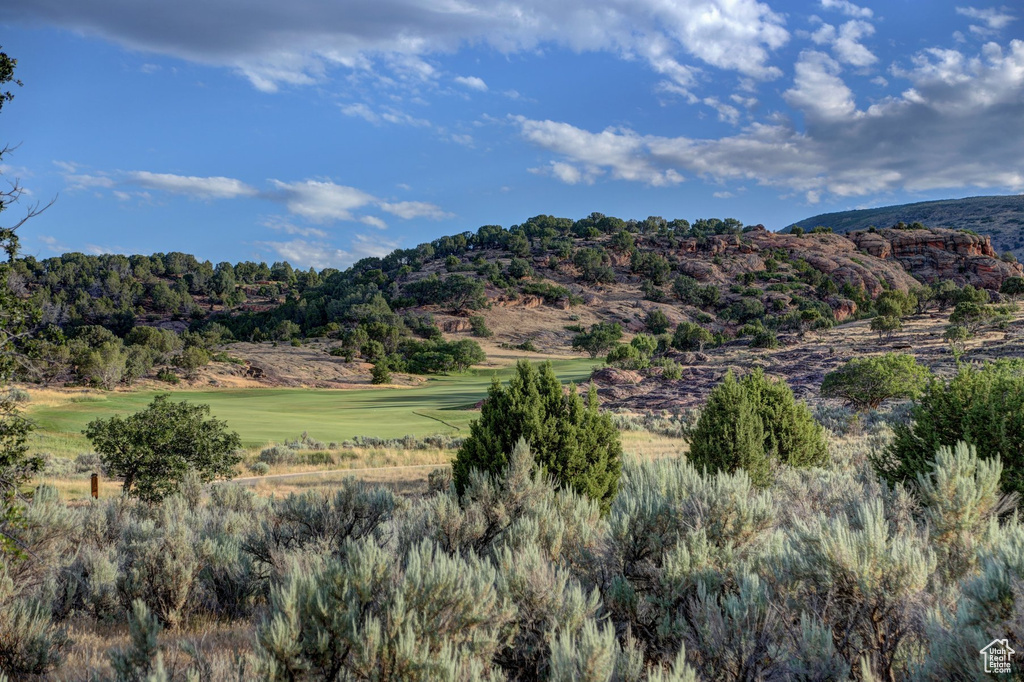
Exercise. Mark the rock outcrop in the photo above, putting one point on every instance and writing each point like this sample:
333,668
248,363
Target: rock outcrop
933,255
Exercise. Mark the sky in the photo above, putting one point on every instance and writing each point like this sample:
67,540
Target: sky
321,132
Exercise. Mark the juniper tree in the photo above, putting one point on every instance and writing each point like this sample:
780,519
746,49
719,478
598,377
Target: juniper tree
981,406
748,423
868,382
569,437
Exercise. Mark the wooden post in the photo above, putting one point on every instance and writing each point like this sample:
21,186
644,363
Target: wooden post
96,486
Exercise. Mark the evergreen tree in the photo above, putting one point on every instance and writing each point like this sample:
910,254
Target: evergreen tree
983,407
747,423
568,436
729,434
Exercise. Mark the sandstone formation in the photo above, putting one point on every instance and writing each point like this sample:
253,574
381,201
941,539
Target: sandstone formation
933,255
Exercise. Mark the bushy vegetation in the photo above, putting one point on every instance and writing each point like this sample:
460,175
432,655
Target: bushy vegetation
823,573
573,442
982,406
153,451
867,382
750,423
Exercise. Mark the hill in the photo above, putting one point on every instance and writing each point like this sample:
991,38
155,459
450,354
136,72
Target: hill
113,320
999,217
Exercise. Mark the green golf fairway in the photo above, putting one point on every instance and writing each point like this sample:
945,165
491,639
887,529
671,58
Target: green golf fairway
442,405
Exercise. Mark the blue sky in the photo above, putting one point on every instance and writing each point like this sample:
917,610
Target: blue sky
322,132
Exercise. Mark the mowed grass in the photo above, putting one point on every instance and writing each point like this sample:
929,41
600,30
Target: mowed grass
443,405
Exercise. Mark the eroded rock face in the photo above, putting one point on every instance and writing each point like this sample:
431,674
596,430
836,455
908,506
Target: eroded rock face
839,258
935,254
521,302
456,325
611,376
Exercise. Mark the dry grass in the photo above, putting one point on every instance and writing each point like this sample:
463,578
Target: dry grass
221,644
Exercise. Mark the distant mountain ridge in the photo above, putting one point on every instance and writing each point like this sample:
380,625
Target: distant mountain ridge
999,217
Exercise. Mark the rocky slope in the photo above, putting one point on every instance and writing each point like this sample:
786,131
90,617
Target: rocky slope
998,217
934,255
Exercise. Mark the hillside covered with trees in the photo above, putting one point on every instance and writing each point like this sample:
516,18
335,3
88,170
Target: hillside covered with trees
112,319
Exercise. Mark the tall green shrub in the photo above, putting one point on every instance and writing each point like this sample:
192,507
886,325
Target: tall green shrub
982,406
568,436
748,423
729,434
868,382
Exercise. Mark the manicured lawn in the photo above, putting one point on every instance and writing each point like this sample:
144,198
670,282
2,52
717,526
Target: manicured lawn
264,415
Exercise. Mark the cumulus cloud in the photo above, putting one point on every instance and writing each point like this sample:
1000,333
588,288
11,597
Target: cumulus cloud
282,224
948,130
196,187
373,221
320,201
472,82
297,43
818,90
624,153
845,41
86,181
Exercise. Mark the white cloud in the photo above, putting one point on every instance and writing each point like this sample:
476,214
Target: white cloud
373,221
320,201
282,224
622,151
276,44
364,246
86,181
818,90
472,82
196,187
848,8
948,130
994,19
360,110
726,112
723,195
414,209
846,43
847,46
304,254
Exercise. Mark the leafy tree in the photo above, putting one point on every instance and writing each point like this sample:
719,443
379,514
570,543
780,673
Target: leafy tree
599,339
657,322
868,382
1013,287
729,434
885,325
17,319
692,292
691,336
154,449
628,356
981,406
191,359
895,303
594,265
479,326
568,436
748,423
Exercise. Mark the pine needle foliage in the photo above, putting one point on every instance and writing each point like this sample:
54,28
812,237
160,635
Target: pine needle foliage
569,438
